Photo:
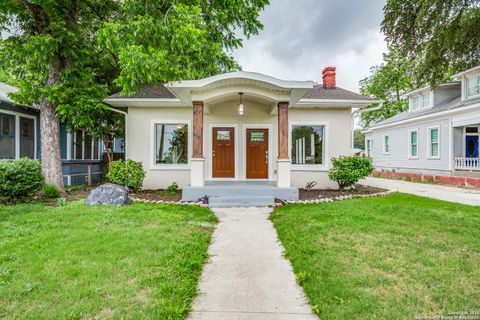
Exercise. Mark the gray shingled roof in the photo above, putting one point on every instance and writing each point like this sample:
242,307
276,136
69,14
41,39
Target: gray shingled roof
148,91
319,92
451,104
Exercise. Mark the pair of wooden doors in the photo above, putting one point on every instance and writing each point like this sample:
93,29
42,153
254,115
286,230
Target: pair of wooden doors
223,153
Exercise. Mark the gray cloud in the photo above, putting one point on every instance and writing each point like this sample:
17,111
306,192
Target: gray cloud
301,37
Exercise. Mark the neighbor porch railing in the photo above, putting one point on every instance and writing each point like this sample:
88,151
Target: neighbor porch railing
467,163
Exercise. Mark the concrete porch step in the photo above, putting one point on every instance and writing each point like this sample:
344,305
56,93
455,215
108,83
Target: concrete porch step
241,201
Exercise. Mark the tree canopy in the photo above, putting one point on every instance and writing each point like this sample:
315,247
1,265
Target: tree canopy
388,81
443,36
68,55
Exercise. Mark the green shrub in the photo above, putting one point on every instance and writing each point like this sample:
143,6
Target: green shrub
348,170
51,191
19,179
171,189
126,173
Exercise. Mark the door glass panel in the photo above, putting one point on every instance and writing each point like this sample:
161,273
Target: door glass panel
223,135
257,136
470,147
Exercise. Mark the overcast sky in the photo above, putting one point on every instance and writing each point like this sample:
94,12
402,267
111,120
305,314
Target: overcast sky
301,37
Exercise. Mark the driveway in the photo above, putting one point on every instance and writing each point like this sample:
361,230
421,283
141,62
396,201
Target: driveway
247,277
435,191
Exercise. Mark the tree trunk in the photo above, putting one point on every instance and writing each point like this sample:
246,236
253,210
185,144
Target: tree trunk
50,137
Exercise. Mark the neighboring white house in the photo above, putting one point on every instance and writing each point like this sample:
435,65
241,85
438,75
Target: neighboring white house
239,126
438,135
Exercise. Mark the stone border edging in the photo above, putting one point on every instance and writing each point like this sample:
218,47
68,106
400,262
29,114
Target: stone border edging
135,199
340,198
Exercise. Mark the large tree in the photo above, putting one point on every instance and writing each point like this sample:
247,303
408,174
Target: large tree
388,82
443,36
67,55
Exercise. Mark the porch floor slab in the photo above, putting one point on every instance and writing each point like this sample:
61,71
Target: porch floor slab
246,190
247,276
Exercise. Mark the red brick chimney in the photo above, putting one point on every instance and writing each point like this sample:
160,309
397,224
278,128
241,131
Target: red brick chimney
328,76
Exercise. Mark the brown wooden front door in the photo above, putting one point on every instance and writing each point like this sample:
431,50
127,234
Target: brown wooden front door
257,154
223,153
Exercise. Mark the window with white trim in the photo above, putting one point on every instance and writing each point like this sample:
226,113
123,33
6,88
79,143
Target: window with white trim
386,144
421,101
369,147
7,136
413,144
308,144
171,143
473,85
84,147
434,142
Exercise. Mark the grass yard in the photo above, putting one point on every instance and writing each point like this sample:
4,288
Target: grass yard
392,257
77,262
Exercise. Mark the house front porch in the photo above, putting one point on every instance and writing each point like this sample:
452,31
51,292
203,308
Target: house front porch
466,149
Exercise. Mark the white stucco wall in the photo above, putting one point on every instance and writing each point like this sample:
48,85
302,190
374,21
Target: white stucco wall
141,139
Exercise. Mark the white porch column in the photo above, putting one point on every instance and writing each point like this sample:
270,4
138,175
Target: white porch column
197,178
283,162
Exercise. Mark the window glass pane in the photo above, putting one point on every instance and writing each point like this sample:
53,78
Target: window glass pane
223,135
308,144
27,137
473,85
171,143
426,100
434,135
414,150
7,136
78,145
95,150
413,137
87,152
471,130
434,150
416,102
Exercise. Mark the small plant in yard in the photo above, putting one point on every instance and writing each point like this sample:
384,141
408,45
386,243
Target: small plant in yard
171,190
50,191
126,173
348,170
204,200
61,202
19,179
310,185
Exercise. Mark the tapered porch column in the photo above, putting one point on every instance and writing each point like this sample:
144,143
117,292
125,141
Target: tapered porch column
197,161
283,162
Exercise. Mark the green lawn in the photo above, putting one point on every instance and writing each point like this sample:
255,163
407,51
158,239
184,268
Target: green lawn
392,257
77,262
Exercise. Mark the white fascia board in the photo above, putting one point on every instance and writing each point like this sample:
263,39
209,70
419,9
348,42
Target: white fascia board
474,69
337,102
427,116
286,84
145,102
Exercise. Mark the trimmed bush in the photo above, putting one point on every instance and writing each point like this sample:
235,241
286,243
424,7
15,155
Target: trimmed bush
171,190
348,170
51,191
126,173
19,179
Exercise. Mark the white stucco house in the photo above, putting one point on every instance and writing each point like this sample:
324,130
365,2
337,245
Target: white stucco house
438,135
240,128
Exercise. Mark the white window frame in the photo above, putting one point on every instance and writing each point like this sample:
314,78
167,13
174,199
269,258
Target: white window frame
468,79
429,142
410,144
369,147
384,149
166,167
326,157
420,96
17,131
73,136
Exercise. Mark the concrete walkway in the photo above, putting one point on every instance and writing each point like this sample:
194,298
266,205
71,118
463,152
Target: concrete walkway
247,277
435,191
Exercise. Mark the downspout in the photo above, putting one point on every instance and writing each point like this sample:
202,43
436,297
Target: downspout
354,114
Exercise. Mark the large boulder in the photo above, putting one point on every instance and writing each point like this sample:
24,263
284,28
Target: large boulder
108,193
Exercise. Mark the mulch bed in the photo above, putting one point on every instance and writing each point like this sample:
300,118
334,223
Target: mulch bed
157,195
330,193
